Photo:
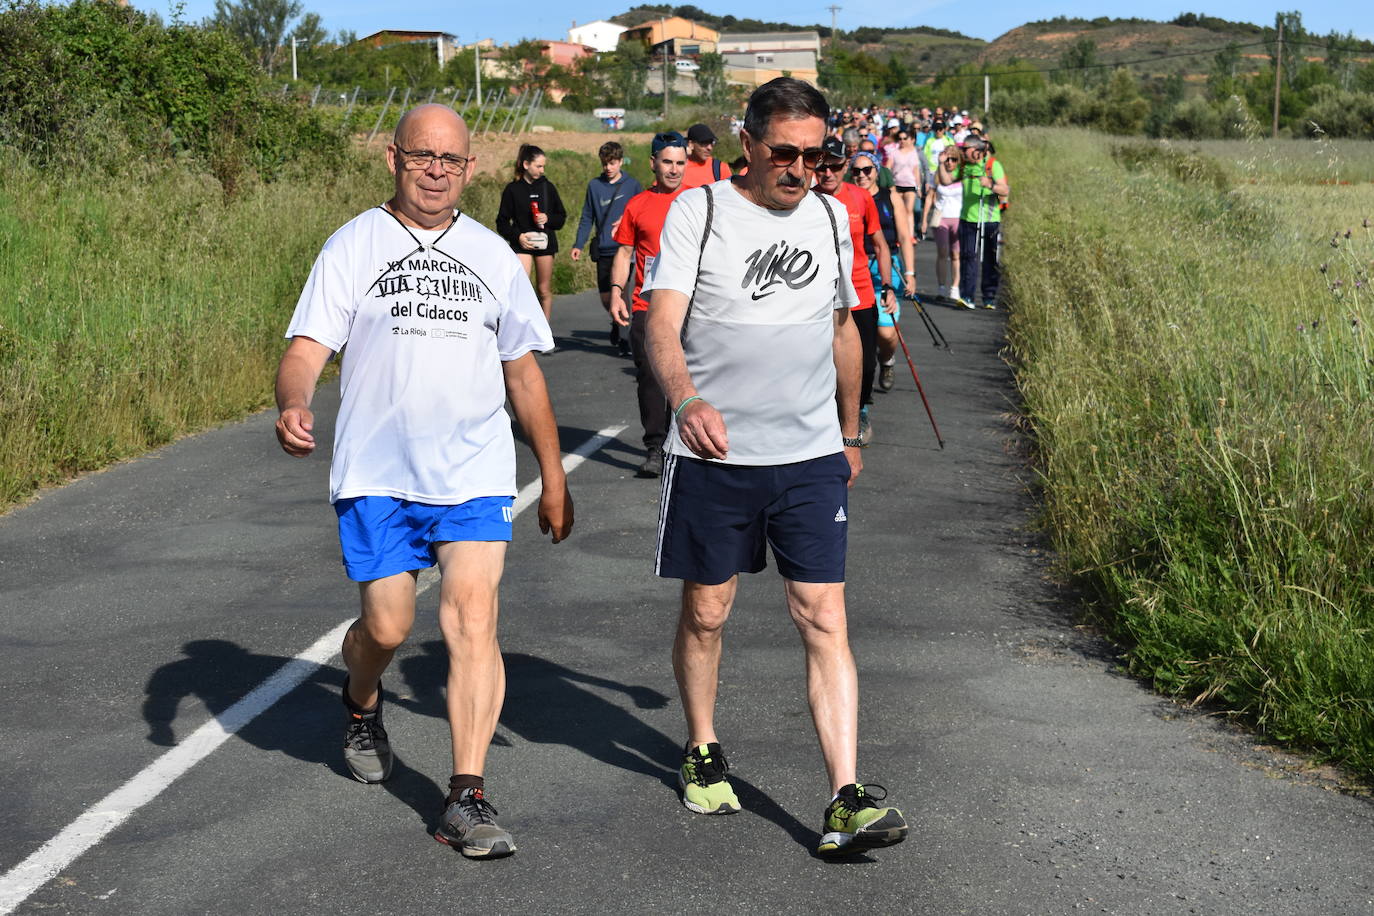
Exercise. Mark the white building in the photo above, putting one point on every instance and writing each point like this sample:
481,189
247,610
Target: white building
602,35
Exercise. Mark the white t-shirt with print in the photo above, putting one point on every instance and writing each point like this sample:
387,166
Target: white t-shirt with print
759,339
428,317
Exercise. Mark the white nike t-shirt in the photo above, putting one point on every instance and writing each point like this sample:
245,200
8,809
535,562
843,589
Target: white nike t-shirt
759,339
428,317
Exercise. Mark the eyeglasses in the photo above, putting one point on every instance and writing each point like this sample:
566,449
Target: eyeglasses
863,170
420,160
827,166
785,155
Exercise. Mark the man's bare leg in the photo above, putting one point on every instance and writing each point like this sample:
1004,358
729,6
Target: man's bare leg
388,612
832,682
696,653
468,606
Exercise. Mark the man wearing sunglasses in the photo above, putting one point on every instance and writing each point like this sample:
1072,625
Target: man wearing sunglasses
440,324
637,235
702,165
751,338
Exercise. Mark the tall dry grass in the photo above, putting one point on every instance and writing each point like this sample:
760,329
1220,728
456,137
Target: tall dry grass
1190,331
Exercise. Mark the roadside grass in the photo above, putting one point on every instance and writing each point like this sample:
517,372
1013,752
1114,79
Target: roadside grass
143,308
1191,336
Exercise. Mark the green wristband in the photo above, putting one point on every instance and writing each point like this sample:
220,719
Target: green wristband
685,402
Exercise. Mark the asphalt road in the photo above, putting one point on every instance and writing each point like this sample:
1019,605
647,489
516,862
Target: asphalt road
140,602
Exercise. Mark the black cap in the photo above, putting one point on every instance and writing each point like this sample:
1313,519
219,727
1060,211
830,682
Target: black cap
834,148
700,133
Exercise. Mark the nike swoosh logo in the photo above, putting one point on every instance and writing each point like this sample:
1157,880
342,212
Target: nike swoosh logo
757,296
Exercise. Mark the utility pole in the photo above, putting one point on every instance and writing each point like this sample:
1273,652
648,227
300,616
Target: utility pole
834,11
294,77
1278,75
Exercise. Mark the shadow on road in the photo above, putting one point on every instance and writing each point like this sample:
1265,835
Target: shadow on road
307,724
546,703
570,437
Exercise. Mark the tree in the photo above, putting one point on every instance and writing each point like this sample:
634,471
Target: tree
1077,62
259,23
627,73
711,78
1126,109
1221,80
309,32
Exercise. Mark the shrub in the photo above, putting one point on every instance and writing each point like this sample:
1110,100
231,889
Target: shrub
103,85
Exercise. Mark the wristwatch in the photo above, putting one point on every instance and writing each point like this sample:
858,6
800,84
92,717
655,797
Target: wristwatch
856,442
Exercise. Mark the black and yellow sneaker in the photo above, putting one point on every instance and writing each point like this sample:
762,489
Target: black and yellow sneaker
705,789
854,822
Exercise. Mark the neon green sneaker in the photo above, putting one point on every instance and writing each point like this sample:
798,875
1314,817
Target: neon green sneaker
705,789
854,822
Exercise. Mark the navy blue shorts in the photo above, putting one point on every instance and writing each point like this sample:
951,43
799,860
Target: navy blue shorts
716,520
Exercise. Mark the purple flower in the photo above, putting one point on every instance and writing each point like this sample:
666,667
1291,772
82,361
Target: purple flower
1322,268
1347,233
1302,328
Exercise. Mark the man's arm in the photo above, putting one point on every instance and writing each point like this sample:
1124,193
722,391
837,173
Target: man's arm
849,361
529,398
620,280
297,374
699,425
584,225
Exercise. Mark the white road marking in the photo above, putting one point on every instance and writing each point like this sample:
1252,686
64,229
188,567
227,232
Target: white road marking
105,815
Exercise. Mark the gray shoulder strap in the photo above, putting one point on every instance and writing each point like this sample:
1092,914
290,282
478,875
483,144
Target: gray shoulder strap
701,254
835,234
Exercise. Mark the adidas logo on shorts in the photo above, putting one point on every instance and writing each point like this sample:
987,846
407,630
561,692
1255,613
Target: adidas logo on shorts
840,516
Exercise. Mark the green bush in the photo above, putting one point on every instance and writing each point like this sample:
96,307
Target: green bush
100,85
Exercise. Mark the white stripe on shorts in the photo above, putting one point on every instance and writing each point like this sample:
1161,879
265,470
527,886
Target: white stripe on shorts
669,470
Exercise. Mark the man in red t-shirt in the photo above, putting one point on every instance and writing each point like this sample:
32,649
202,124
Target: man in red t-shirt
702,165
863,221
637,236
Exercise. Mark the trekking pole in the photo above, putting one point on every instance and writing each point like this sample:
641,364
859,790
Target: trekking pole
917,379
937,337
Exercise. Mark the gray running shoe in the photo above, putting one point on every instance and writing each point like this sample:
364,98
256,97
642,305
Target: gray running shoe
469,825
366,748
887,377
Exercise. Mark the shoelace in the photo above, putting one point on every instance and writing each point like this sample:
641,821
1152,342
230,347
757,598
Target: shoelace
708,770
364,732
476,809
868,796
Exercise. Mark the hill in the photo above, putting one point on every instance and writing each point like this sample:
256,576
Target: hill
1156,48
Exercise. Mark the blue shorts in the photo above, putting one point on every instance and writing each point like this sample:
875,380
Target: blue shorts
884,319
717,520
382,535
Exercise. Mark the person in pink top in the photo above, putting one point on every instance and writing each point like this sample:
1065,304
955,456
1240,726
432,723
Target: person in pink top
905,163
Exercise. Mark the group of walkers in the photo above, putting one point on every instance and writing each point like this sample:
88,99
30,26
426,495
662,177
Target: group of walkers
757,328
943,170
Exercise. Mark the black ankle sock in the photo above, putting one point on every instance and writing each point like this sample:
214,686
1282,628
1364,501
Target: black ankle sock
460,783
354,707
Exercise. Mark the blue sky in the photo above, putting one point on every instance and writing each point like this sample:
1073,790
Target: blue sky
980,18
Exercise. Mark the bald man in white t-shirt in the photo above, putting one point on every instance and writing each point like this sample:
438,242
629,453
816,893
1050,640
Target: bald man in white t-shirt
441,326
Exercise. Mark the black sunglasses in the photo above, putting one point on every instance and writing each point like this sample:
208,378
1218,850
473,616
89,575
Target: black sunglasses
785,155
863,170
830,166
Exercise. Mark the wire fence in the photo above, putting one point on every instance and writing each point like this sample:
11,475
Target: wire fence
496,111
